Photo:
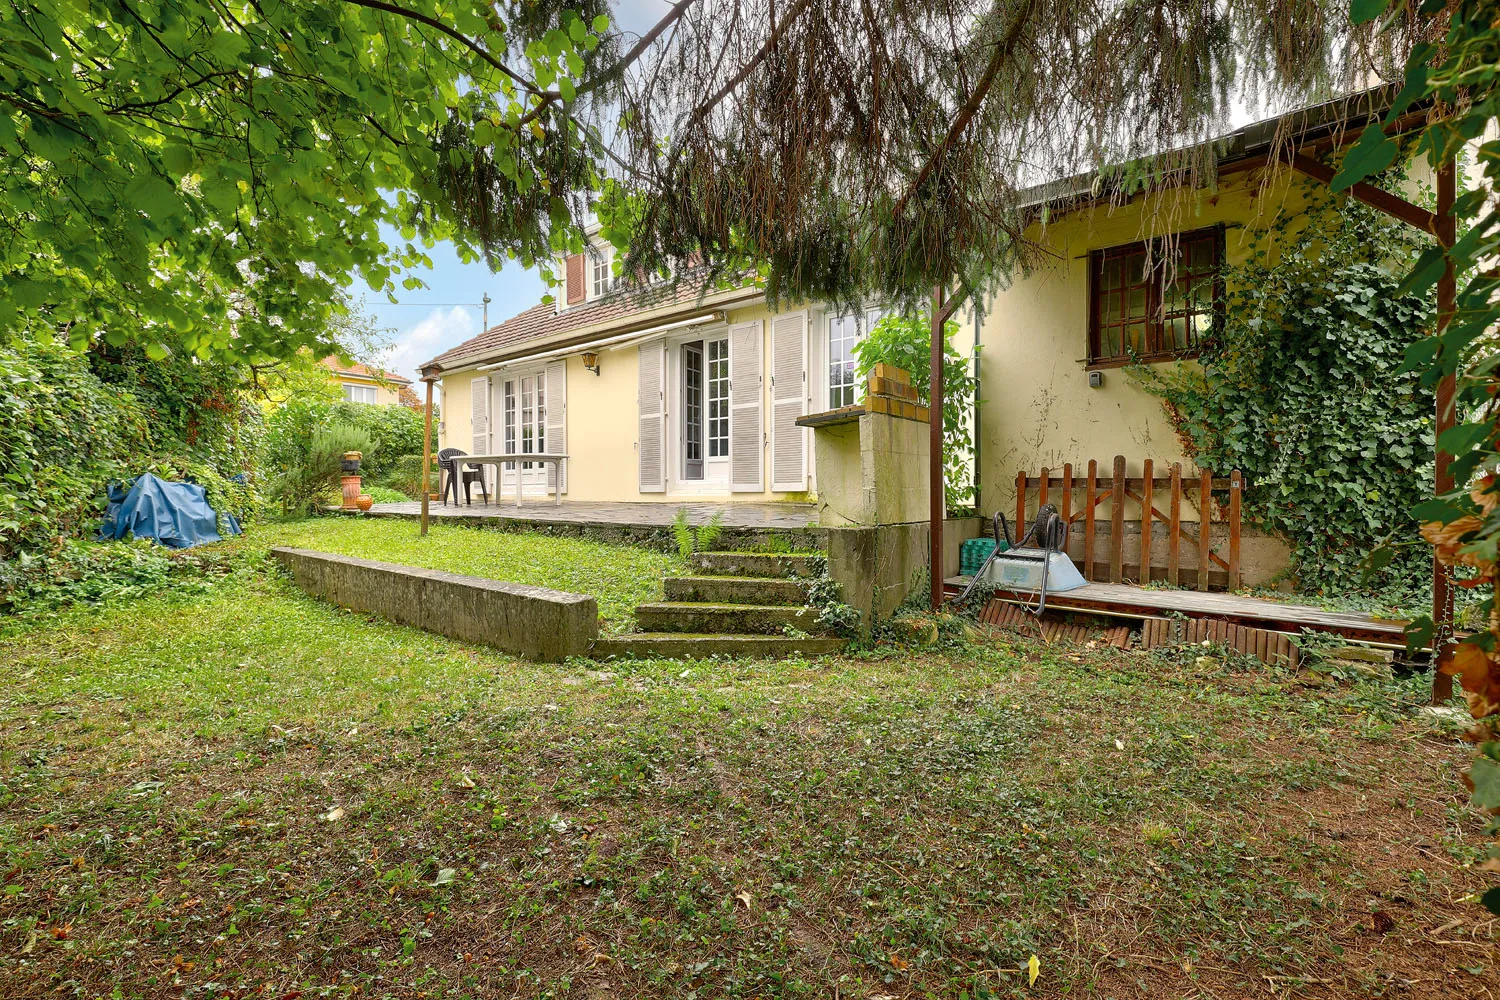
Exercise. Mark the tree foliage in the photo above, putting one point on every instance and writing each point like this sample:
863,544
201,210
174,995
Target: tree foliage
1305,392
1461,76
876,149
207,177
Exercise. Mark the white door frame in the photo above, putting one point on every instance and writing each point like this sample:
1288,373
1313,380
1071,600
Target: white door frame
715,481
533,480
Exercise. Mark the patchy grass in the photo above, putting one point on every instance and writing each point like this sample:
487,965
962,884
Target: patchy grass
618,576
247,793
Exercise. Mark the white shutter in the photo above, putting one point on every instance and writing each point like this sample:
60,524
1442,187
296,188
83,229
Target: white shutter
788,402
557,422
746,437
651,457
479,419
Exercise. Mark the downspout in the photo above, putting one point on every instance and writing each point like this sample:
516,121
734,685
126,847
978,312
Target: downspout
978,322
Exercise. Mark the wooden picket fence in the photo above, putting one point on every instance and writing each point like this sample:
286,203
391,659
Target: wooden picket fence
1221,571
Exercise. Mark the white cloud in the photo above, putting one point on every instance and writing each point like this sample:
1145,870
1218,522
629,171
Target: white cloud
435,333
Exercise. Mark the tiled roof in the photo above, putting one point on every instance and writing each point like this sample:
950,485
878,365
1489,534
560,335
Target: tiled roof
363,371
543,320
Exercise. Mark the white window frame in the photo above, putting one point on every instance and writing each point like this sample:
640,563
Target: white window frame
356,393
601,271
864,321
512,425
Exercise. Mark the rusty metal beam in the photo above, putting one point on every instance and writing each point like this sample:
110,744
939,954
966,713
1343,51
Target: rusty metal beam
1447,305
429,376
937,504
1390,204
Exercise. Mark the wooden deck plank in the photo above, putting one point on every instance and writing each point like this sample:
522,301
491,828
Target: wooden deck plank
1138,602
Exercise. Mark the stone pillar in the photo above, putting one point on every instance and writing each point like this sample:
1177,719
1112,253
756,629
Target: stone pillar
872,494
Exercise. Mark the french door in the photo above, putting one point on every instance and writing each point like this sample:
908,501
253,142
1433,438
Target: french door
524,420
703,426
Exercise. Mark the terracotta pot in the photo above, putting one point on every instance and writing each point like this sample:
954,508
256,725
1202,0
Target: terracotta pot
364,501
433,495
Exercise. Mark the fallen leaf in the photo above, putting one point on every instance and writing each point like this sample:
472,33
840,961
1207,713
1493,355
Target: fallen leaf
444,876
1033,969
744,897
333,815
898,962
464,781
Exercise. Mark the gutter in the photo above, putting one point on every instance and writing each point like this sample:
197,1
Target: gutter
629,323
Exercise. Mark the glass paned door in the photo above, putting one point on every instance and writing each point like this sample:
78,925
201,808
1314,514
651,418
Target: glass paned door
692,410
525,423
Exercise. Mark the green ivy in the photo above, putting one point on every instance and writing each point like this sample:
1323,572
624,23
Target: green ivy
1305,392
71,423
905,341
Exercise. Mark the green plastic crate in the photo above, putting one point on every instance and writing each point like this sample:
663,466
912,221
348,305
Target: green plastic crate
973,553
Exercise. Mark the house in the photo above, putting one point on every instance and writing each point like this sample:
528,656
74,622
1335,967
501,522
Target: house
657,393
693,392
362,383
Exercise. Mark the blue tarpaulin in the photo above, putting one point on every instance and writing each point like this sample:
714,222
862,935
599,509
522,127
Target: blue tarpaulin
176,515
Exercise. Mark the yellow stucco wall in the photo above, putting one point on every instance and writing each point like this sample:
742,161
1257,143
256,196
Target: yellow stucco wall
603,422
1037,407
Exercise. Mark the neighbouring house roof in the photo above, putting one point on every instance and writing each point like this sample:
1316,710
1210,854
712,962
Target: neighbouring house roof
1334,121
617,312
363,371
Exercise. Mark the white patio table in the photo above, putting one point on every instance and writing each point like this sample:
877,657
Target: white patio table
556,460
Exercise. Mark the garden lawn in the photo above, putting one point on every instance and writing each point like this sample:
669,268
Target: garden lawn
617,576
245,792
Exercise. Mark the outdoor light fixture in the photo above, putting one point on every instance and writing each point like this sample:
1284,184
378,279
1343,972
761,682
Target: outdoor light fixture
591,361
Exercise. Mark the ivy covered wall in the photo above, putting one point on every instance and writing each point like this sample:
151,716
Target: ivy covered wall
71,422
1306,392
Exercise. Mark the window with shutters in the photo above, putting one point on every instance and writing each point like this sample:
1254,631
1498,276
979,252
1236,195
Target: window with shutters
1156,300
601,271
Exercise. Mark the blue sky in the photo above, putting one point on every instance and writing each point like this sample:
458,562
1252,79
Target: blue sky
430,320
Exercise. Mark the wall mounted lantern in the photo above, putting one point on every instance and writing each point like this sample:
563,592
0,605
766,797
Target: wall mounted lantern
591,361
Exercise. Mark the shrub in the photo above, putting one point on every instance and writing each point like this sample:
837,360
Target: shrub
389,432
405,475
384,494
312,474
70,423
905,341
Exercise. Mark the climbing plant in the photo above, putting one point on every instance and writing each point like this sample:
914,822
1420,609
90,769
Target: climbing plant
1305,392
905,342
73,422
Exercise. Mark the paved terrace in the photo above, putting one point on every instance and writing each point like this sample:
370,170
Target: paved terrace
763,516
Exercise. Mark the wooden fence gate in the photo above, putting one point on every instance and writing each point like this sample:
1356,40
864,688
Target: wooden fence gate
1211,569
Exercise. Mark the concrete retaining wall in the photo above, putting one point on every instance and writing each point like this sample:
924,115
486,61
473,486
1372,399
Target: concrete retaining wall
537,623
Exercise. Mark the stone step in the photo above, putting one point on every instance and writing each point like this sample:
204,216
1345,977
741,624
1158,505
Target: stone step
760,564
723,619
688,646
734,589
